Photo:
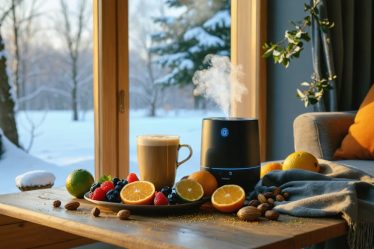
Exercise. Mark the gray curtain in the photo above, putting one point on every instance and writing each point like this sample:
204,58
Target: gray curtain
353,49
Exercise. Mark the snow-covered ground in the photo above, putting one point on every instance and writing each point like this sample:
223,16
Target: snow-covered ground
61,145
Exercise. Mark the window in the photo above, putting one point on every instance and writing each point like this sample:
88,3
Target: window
51,87
111,81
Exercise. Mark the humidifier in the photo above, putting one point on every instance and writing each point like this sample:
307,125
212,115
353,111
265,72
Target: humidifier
230,150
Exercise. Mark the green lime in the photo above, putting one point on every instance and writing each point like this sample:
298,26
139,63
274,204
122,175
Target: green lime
189,190
79,182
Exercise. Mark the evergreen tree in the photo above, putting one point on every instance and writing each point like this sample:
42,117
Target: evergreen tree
202,28
7,115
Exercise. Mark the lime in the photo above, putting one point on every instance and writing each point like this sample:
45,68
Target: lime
189,190
79,182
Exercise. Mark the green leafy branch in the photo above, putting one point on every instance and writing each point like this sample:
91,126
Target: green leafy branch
291,46
315,90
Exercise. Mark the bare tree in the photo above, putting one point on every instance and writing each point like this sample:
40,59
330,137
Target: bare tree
72,32
143,69
7,115
22,17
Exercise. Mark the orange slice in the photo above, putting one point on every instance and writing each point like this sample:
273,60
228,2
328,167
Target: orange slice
189,190
228,198
138,193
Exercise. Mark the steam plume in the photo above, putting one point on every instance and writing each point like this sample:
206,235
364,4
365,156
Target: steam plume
220,82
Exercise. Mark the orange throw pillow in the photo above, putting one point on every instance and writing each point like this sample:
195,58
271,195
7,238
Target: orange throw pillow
359,142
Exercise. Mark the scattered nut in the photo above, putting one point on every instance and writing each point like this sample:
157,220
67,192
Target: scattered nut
276,191
248,213
286,195
268,195
271,202
95,212
279,198
56,203
73,205
271,215
263,207
262,198
123,214
254,203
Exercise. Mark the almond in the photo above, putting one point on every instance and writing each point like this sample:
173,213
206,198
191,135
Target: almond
261,198
248,213
95,212
263,208
279,198
123,214
73,205
57,203
286,195
276,191
253,203
271,215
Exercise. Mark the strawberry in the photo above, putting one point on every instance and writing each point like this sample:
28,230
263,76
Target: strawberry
98,195
132,177
160,199
106,186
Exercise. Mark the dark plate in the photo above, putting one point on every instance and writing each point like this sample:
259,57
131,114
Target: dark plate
151,209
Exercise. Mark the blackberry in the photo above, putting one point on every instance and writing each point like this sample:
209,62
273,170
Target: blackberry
94,186
115,180
166,191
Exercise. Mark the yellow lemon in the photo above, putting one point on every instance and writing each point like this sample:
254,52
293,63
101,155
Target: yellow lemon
301,160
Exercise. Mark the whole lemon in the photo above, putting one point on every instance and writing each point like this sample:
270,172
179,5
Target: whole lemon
270,167
301,160
207,181
79,182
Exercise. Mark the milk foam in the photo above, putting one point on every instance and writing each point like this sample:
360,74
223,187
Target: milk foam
157,140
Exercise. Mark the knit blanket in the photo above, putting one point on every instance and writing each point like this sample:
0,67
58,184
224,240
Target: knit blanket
337,190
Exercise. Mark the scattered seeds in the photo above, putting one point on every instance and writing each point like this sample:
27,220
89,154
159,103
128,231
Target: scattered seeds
57,203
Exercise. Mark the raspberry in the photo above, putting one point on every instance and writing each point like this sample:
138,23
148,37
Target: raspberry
98,195
132,177
160,199
106,186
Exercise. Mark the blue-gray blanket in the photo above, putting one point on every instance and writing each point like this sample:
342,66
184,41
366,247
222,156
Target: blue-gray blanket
337,190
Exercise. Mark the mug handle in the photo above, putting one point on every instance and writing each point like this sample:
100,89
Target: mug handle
188,157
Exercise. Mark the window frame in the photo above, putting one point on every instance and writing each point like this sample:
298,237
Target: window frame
111,77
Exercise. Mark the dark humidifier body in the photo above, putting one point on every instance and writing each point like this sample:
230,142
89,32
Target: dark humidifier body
230,150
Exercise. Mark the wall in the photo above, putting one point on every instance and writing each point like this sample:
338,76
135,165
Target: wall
283,106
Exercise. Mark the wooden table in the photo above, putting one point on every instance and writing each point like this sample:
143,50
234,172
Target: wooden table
28,219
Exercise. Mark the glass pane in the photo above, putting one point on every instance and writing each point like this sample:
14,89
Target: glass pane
169,41
48,60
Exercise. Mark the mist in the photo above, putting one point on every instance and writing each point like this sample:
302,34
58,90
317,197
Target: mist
220,82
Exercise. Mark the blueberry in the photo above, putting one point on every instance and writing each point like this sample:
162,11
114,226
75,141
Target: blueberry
94,186
166,191
172,198
118,187
115,180
113,196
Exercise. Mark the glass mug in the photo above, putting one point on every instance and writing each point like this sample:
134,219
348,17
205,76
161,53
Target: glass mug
158,158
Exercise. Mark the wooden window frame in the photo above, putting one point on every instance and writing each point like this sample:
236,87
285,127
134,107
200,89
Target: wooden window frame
111,87
111,80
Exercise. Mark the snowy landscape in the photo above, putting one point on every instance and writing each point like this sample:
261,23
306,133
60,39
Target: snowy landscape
62,145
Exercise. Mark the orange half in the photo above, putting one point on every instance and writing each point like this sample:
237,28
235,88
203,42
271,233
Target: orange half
138,193
228,198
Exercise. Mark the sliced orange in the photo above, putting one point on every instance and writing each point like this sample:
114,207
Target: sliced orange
228,198
189,190
138,193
